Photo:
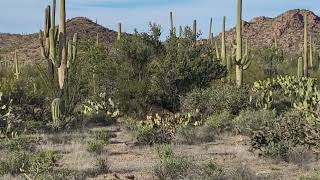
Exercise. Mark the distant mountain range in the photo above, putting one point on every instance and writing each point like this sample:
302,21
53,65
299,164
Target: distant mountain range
260,32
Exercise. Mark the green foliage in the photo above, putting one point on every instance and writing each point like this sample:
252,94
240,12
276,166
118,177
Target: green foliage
212,126
95,146
250,121
314,176
170,166
216,99
101,135
219,123
303,94
35,165
277,136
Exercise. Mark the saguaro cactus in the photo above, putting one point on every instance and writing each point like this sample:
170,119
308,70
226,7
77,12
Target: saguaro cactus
311,52
194,30
48,38
56,112
119,31
210,32
223,42
61,53
242,62
16,65
171,24
180,31
62,40
217,50
300,67
229,68
305,46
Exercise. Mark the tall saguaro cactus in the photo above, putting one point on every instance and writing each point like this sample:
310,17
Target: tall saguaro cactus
210,32
62,40
59,52
223,42
242,61
171,24
194,31
48,37
119,31
305,47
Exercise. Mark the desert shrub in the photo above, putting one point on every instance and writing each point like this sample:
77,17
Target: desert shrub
170,166
102,135
18,144
250,121
31,164
277,137
313,176
95,147
217,99
208,131
220,123
102,165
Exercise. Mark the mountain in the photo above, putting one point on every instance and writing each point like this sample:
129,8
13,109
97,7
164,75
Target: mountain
288,28
260,32
28,45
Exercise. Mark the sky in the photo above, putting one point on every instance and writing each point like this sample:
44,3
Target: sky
26,16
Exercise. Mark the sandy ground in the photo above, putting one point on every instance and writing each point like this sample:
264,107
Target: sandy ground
129,161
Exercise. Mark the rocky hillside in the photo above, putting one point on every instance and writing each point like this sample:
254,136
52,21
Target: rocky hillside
28,45
260,31
287,28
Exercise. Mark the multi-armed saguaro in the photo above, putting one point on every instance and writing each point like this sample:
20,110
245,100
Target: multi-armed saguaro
242,61
58,52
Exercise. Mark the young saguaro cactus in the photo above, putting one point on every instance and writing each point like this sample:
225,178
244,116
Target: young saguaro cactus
56,112
305,47
242,61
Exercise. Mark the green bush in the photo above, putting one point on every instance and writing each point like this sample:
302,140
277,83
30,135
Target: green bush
278,137
212,127
35,165
249,121
95,147
102,135
170,166
216,99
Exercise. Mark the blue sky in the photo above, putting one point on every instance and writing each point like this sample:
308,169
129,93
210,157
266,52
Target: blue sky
26,16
